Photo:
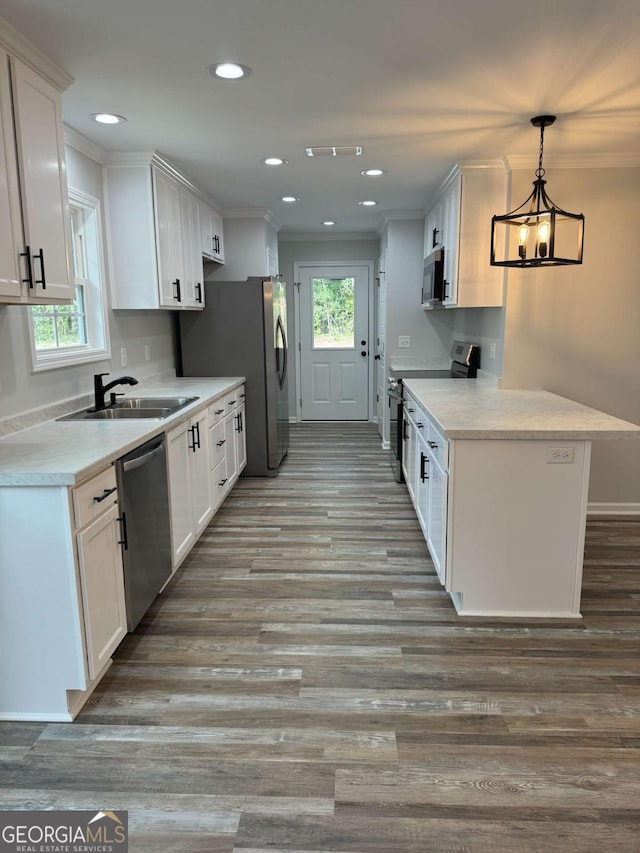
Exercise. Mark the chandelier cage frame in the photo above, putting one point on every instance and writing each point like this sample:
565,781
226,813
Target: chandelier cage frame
538,221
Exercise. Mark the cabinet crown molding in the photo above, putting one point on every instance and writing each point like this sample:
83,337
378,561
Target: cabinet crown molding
254,213
13,41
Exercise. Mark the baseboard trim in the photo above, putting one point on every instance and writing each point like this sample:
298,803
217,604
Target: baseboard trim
602,508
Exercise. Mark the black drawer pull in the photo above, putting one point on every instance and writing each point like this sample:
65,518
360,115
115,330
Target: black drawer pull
222,482
432,444
105,495
220,443
218,411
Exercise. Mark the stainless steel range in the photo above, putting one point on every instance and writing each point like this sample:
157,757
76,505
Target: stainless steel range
465,361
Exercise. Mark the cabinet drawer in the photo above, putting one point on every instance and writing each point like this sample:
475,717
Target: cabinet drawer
438,445
218,441
216,410
232,401
95,496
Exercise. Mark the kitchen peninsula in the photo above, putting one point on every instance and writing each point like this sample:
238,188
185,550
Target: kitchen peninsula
499,480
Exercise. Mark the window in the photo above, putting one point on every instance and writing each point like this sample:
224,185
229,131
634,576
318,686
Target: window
333,313
62,335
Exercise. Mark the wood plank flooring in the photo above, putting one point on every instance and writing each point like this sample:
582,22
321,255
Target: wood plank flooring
305,686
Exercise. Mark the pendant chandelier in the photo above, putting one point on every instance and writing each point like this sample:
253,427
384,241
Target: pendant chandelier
538,233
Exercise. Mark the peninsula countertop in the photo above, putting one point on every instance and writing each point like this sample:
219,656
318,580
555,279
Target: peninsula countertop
62,453
470,410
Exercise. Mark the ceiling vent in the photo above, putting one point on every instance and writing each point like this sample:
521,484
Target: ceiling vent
334,151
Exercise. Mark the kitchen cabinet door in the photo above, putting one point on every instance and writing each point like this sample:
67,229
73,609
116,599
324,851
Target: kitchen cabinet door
231,454
437,517
200,474
193,291
422,483
34,246
102,583
168,212
188,461
241,439
217,237
179,470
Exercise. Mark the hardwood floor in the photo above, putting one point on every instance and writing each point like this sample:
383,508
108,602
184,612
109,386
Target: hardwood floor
305,686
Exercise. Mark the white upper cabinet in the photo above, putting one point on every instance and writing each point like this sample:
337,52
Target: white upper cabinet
459,221
211,234
155,228
34,228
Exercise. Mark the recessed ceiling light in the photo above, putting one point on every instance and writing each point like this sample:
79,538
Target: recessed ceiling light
329,222
229,70
274,161
368,203
107,118
373,173
289,198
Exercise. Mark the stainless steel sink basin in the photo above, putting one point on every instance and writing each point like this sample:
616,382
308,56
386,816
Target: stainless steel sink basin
173,403
134,408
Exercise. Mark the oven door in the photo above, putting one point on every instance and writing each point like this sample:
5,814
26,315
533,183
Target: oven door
395,433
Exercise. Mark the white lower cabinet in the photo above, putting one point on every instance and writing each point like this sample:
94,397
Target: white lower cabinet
241,440
189,483
103,603
427,480
62,601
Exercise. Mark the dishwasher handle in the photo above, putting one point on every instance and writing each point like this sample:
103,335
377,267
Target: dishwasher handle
139,461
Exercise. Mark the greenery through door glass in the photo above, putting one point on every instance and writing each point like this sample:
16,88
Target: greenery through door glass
333,313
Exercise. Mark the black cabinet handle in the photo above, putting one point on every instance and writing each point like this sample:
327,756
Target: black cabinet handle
241,422
192,430
43,281
411,410
178,294
435,238
199,292
222,482
423,471
219,411
105,495
196,437
432,444
220,443
27,254
124,541
232,402
419,425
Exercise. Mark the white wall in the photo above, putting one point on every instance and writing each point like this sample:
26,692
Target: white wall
22,390
575,330
484,326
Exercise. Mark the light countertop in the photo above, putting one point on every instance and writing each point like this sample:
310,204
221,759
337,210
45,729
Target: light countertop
62,453
471,410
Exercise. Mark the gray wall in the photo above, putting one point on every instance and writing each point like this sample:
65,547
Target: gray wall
575,330
291,249
245,245
22,390
484,326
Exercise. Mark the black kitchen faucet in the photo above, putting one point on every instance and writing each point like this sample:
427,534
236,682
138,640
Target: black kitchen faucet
100,390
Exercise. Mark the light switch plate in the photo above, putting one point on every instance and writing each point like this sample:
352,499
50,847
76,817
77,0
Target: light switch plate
404,342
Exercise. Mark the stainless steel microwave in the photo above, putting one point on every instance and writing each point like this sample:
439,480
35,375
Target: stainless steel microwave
433,279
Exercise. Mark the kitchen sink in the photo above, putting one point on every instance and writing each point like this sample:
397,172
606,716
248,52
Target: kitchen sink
133,409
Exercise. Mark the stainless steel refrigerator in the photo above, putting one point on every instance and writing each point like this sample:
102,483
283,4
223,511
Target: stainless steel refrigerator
242,332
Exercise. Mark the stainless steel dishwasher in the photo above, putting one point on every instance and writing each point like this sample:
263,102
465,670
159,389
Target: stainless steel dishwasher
146,529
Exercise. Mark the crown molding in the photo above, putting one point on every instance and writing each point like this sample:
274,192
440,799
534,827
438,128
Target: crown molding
85,146
317,237
609,160
254,213
19,46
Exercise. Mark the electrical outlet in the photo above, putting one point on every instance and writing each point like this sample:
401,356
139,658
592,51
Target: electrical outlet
404,342
123,357
147,352
492,350
560,455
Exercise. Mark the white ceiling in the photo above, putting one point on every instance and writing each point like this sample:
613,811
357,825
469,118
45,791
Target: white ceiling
420,84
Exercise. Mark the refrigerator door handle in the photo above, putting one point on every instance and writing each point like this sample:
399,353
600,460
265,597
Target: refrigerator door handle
282,374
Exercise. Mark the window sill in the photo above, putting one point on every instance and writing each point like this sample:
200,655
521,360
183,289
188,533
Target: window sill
68,358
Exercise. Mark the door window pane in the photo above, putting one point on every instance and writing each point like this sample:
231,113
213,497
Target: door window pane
333,313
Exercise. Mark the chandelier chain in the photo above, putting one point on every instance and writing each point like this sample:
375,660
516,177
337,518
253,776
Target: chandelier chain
540,170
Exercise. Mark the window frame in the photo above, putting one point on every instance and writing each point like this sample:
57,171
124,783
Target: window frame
98,346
